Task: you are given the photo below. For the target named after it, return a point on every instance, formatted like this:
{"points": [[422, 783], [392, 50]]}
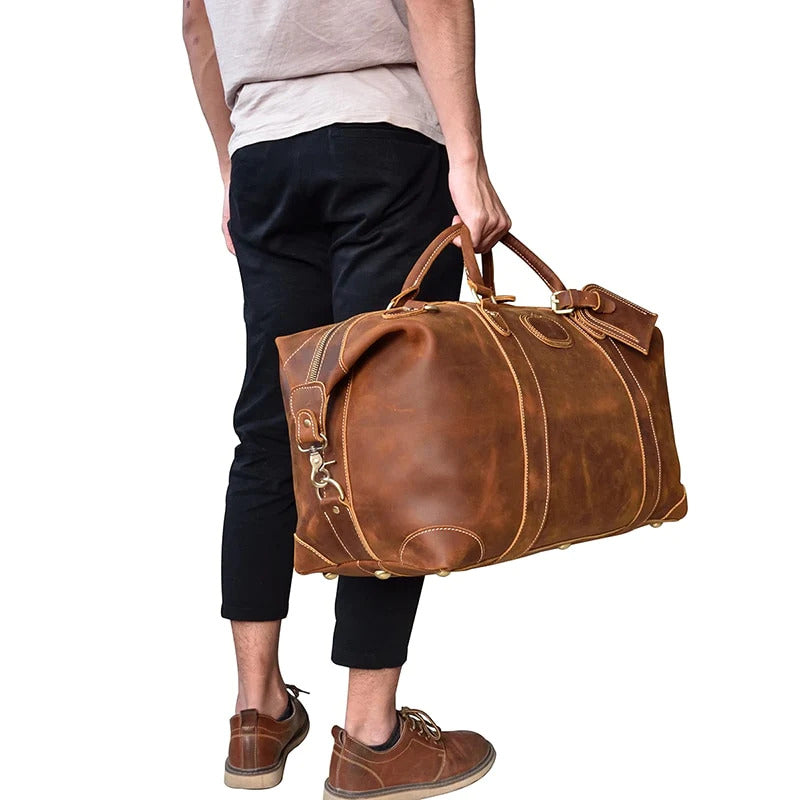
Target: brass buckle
{"points": [[554, 306]]}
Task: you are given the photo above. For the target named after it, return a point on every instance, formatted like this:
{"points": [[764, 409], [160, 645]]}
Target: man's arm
{"points": [[443, 37], [208, 85]]}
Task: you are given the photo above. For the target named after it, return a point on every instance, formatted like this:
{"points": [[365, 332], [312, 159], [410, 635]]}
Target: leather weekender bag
{"points": [[440, 436]]}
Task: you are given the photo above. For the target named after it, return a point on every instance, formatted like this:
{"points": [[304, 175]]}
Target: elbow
{"points": [[192, 18]]}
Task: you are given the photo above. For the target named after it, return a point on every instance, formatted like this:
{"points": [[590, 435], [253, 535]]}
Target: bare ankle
{"points": [[373, 730], [269, 697]]}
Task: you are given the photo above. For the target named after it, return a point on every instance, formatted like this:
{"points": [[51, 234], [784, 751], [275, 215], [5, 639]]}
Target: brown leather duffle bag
{"points": [[441, 436]]}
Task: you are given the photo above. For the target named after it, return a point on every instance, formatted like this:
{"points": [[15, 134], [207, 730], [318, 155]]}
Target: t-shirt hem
{"points": [[267, 133]]}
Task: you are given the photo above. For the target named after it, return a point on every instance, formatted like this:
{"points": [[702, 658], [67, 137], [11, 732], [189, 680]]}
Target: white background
{"points": [[649, 146]]}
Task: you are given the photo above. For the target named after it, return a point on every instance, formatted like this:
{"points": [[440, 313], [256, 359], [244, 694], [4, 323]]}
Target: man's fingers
{"points": [[227, 234]]}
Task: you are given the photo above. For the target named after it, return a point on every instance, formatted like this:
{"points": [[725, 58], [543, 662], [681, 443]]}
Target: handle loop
{"points": [[431, 253], [481, 282]]}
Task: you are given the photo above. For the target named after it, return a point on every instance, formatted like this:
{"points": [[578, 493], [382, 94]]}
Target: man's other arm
{"points": [[443, 37], [208, 85]]}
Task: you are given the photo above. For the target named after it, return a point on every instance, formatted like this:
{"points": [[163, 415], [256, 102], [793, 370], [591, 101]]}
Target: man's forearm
{"points": [[443, 37], [207, 80]]}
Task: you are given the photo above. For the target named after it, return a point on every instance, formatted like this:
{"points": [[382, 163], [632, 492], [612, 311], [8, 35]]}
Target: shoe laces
{"points": [[421, 723], [295, 691]]}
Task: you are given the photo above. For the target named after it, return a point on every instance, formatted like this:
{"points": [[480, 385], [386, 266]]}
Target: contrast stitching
{"points": [[441, 528], [522, 426], [546, 445], [441, 766], [433, 255], [635, 420], [351, 512], [321, 390], [325, 513], [389, 756], [344, 339], [609, 327], [258, 735], [315, 552], [529, 263], [652, 424], [305, 342], [343, 757], [683, 497], [621, 299], [549, 340]]}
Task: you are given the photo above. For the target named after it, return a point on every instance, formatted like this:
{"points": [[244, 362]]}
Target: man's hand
{"points": [[477, 204], [226, 216]]}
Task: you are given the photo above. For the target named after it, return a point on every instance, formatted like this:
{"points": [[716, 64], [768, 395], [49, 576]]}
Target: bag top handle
{"points": [[482, 283]]}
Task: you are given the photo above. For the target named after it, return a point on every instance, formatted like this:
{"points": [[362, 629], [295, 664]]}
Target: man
{"points": [[348, 135]]}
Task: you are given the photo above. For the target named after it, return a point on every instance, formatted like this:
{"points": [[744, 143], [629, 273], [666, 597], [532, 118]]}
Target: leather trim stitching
{"points": [[431, 257], [526, 320], [350, 511], [455, 528], [338, 538], [596, 286], [530, 264], [298, 349], [315, 552], [522, 427], [343, 757], [664, 517], [344, 339], [321, 389], [635, 420], [652, 424], [546, 446]]}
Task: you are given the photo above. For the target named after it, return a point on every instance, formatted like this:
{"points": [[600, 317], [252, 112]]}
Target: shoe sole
{"points": [[263, 779], [417, 791]]}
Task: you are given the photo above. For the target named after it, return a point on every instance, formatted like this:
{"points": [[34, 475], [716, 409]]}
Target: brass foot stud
{"points": [[382, 574], [331, 576], [442, 573], [564, 546], [656, 524]]}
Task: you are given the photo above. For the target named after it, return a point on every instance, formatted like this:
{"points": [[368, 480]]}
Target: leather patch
{"points": [[547, 329], [444, 546], [307, 404], [627, 323]]}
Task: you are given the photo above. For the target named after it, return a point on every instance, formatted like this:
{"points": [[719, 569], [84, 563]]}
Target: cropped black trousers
{"points": [[326, 224]]}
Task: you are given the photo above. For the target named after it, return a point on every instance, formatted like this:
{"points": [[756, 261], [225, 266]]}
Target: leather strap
{"points": [[431, 253], [481, 282], [549, 277], [580, 298]]}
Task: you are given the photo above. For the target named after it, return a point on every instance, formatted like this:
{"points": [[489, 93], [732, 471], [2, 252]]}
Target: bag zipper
{"points": [[316, 360]]}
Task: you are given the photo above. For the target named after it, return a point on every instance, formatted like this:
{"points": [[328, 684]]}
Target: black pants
{"points": [[326, 224]]}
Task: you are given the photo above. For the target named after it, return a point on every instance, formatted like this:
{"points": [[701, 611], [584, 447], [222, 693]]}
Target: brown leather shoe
{"points": [[424, 762], [260, 744]]}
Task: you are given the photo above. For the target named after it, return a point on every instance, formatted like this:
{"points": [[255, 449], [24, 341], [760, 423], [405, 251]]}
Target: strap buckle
{"points": [[554, 304]]}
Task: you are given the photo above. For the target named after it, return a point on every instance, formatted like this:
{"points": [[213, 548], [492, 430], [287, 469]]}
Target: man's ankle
{"points": [[374, 730], [271, 699]]}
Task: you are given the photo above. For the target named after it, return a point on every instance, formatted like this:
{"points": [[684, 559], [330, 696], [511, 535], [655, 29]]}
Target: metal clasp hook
{"points": [[320, 477]]}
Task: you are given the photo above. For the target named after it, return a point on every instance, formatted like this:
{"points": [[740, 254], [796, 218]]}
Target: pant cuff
{"points": [[352, 659], [264, 614]]}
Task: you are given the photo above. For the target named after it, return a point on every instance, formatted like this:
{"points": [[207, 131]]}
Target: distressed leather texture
{"points": [[453, 435]]}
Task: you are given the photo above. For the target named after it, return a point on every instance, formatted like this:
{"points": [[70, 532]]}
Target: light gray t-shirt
{"points": [[290, 66]]}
